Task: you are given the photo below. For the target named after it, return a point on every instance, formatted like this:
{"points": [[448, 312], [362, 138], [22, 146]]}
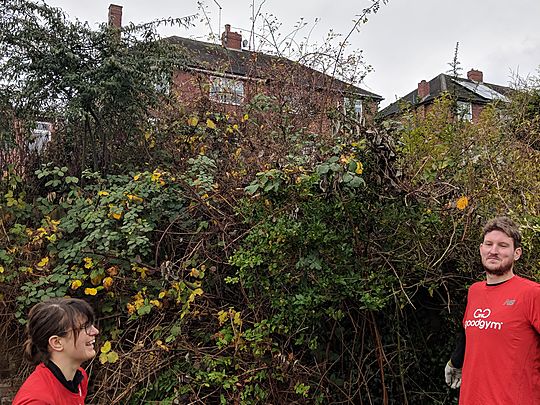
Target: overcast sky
{"points": [[405, 42]]}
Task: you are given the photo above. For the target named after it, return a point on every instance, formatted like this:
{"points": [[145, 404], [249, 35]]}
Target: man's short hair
{"points": [[506, 225]]}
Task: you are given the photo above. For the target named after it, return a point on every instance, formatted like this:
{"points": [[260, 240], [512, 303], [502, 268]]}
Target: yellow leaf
{"points": [[88, 263], [103, 193], [162, 294], [90, 291], [210, 124], [112, 357], [116, 215], [193, 121], [160, 344], [133, 197], [43, 262], [237, 319], [245, 117], [359, 168], [198, 291], [156, 303], [194, 272], [106, 348], [103, 358], [137, 177], [1, 269], [462, 203], [143, 270], [222, 317], [107, 282], [76, 284]]}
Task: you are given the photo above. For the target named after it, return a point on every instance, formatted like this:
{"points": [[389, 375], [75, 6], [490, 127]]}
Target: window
{"points": [[163, 84], [464, 110], [353, 106], [227, 91], [41, 134]]}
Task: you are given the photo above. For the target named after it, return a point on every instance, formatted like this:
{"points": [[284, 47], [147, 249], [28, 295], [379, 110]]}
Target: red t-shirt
{"points": [[502, 354], [43, 388]]}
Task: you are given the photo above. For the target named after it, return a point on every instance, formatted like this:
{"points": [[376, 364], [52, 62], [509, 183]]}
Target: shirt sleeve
{"points": [[533, 307], [458, 355]]}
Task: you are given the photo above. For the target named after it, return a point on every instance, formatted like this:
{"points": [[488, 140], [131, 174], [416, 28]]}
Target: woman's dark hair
{"points": [[56, 316]]}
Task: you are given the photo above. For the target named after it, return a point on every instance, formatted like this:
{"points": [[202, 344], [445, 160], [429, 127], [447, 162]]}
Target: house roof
{"points": [[463, 89], [256, 65]]}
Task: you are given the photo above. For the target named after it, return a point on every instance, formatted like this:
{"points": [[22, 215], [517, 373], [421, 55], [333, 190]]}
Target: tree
{"points": [[100, 87]]}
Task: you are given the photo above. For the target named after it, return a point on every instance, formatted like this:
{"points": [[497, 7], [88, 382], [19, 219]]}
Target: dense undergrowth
{"points": [[229, 277]]}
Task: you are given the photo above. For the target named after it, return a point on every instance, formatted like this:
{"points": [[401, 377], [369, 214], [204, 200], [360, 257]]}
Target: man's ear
{"points": [[56, 344], [517, 253]]}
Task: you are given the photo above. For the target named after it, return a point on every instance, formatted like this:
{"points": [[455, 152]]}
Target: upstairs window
{"points": [[354, 107], [464, 110], [226, 91]]}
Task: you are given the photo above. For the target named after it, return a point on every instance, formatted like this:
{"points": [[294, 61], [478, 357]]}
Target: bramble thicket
{"points": [[236, 256]]}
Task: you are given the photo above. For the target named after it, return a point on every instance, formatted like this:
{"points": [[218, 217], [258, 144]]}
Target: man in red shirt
{"points": [[500, 352]]}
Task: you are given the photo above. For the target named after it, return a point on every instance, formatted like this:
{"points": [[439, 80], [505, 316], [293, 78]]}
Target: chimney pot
{"points": [[475, 75], [230, 39]]}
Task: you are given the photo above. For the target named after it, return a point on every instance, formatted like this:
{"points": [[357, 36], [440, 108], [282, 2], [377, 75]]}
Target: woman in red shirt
{"points": [[61, 336]]}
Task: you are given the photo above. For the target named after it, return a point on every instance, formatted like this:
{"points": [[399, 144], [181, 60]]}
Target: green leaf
{"points": [[251, 189], [323, 169]]}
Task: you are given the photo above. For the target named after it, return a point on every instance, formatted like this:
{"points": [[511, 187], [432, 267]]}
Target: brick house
{"points": [[472, 94], [227, 76]]}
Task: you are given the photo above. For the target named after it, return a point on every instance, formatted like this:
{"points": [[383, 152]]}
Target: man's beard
{"points": [[500, 271]]}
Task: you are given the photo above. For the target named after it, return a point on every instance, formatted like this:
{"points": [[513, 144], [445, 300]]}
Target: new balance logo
{"points": [[509, 301]]}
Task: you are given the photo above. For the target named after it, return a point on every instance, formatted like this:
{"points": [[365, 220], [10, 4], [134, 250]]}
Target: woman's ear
{"points": [[55, 343]]}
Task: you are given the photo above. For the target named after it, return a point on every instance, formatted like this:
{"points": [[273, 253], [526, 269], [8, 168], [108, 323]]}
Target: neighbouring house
{"points": [[472, 94], [227, 76], [27, 140]]}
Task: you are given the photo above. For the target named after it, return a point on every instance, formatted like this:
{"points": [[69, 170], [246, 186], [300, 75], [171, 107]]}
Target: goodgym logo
{"points": [[481, 320]]}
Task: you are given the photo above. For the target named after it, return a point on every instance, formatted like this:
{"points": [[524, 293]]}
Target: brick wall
{"points": [[476, 110]]}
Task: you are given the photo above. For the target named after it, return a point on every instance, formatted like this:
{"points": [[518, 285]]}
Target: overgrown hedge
{"points": [[337, 276]]}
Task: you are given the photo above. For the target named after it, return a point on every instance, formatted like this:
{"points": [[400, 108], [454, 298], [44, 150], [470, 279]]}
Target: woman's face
{"points": [[81, 348]]}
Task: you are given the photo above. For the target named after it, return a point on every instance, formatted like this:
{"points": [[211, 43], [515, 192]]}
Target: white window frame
{"points": [[226, 91], [464, 110], [41, 135], [163, 85], [358, 107]]}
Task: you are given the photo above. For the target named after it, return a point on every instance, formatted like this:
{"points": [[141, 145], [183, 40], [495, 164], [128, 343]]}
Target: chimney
{"points": [[231, 40], [115, 16], [423, 89], [475, 75]]}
